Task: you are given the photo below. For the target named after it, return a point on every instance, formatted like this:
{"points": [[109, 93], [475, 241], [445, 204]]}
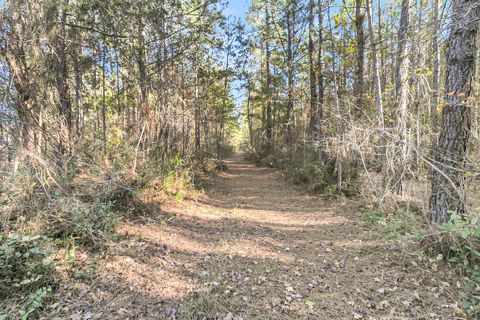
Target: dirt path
{"points": [[255, 247]]}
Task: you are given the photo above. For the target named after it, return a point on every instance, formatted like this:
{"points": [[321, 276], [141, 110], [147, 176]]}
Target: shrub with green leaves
{"points": [[177, 179], [395, 223], [458, 241], [25, 264], [86, 222]]}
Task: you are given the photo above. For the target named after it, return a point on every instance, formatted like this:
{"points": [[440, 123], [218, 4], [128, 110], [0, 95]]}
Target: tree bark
{"points": [[377, 81], [268, 84], [291, 6], [321, 89], [396, 180], [338, 114], [312, 78], [61, 77], [359, 79], [15, 56], [436, 63], [448, 179]]}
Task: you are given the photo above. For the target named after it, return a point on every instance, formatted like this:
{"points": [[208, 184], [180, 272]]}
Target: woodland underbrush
{"points": [[454, 244], [53, 222], [402, 218], [302, 168]]}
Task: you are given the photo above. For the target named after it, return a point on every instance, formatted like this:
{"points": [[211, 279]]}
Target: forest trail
{"points": [[256, 247]]}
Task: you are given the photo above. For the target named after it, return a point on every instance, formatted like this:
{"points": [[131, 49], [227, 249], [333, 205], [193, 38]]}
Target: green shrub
{"points": [[85, 222], [396, 223], [34, 302], [177, 179], [458, 242], [25, 264]]}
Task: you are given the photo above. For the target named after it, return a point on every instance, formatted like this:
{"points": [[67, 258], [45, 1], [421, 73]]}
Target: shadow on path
{"points": [[254, 247]]}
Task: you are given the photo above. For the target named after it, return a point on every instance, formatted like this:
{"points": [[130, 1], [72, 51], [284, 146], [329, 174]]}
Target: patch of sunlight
{"points": [[171, 237], [238, 213], [356, 243], [203, 212], [252, 250], [291, 220]]}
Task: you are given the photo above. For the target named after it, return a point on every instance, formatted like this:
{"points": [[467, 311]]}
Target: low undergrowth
{"points": [[53, 224], [317, 177], [27, 272], [455, 244]]}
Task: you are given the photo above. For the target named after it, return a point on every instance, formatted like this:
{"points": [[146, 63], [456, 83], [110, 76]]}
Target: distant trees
{"points": [[330, 87], [366, 93], [135, 79]]}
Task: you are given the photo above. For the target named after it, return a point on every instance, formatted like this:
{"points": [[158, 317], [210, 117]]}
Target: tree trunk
{"points": [[359, 79], [377, 81], [383, 75], [448, 189], [338, 115], [312, 79], [268, 84], [398, 164], [436, 63], [61, 77], [290, 69], [321, 89], [15, 57], [197, 113]]}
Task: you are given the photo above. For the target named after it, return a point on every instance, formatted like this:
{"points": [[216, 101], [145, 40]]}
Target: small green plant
{"points": [[309, 173], [396, 223], [373, 216], [177, 180], [87, 223], [25, 263], [459, 242], [25, 269], [34, 302]]}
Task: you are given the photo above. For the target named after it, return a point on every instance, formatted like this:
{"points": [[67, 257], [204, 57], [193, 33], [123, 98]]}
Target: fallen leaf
{"points": [[310, 303], [357, 315]]}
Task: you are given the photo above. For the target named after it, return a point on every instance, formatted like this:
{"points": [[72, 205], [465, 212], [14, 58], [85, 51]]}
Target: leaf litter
{"points": [[255, 247]]}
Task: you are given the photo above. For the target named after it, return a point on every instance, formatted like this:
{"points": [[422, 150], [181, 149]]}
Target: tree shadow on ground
{"points": [[288, 257]]}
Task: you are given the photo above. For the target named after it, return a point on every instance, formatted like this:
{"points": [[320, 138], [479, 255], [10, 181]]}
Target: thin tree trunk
{"points": [[78, 88], [104, 101], [338, 115], [249, 115], [383, 75], [61, 75], [436, 63], [399, 163], [197, 114], [291, 6], [377, 82], [321, 89], [312, 79], [268, 84]]}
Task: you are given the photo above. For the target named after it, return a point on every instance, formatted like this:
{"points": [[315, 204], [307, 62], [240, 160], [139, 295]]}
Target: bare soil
{"points": [[256, 247]]}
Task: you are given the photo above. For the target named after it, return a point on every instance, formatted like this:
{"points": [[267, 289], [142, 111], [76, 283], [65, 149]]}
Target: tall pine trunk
{"points": [[448, 180], [359, 79], [268, 91]]}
